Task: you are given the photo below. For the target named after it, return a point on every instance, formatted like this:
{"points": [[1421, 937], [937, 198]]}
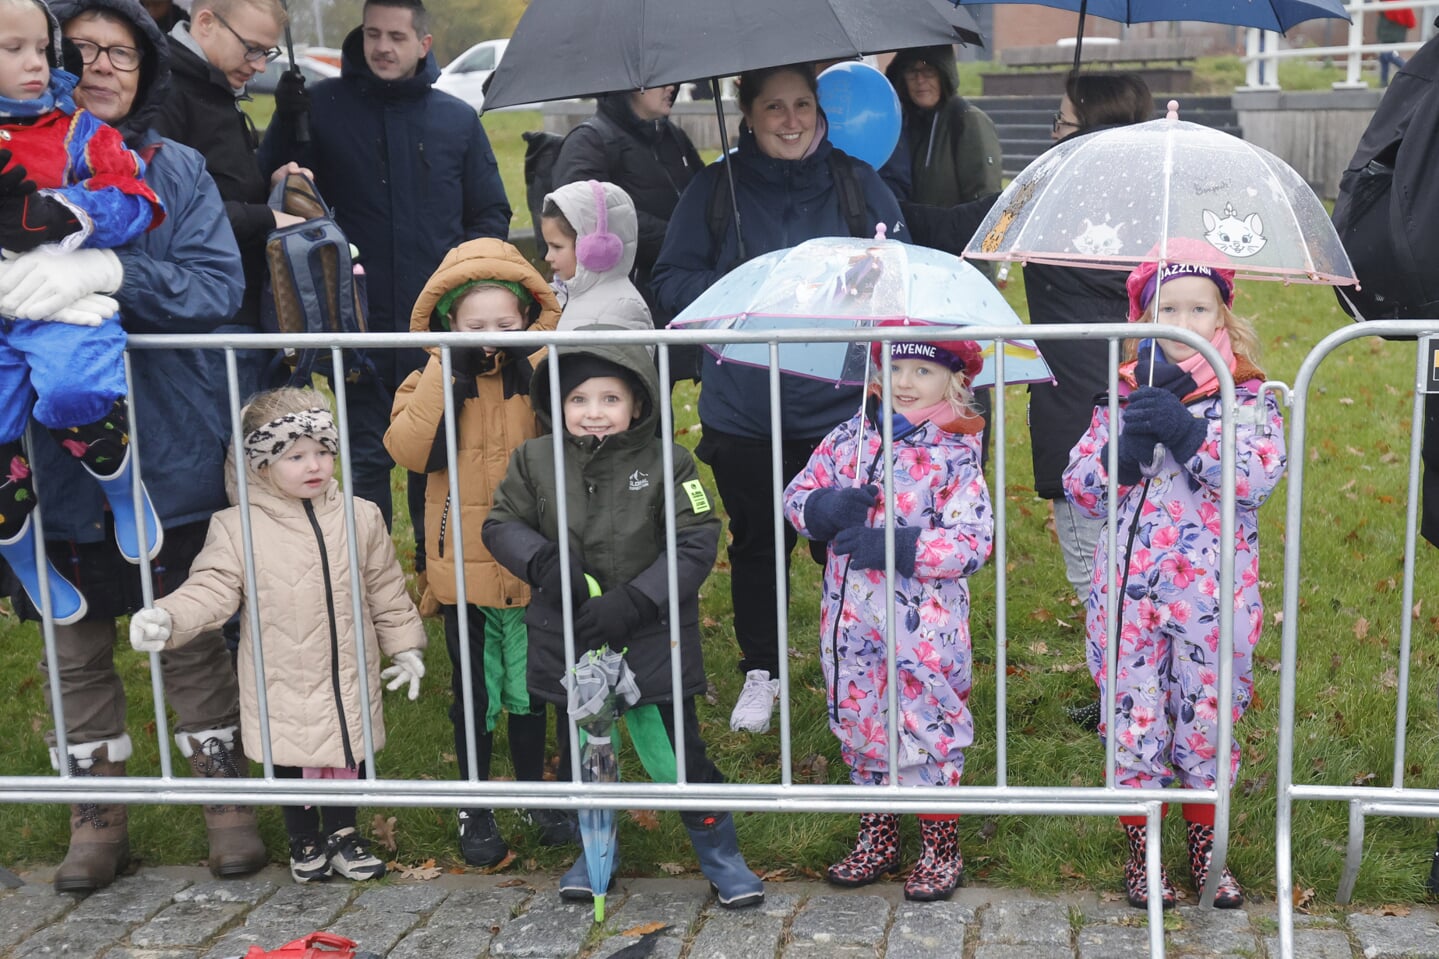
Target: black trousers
{"points": [[526, 733], [742, 473], [315, 822]]}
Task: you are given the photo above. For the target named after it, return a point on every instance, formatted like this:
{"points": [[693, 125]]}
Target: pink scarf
{"points": [[1205, 379]]}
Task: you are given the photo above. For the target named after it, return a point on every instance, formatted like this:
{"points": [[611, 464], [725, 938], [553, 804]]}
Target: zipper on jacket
{"points": [[334, 634], [444, 520]]}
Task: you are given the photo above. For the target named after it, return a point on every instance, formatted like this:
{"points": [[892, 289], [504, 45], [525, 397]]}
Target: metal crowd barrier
{"points": [[1396, 799], [787, 796]]}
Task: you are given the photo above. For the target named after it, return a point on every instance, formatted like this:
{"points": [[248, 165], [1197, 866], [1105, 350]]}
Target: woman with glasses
{"points": [[183, 276], [1059, 414]]}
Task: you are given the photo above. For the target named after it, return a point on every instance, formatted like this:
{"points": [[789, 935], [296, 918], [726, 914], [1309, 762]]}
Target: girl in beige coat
{"points": [[307, 622]]}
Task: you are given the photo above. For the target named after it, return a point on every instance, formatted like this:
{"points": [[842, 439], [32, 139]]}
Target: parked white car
{"points": [[466, 74], [313, 68]]}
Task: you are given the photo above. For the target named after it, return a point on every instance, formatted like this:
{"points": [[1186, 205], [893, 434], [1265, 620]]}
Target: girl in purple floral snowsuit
{"points": [[1166, 714], [944, 532]]}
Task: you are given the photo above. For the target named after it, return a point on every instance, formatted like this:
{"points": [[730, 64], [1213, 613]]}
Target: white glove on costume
{"points": [[409, 667], [149, 629], [90, 310], [40, 283]]}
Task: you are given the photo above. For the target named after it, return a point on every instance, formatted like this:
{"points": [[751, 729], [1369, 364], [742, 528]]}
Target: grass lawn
{"points": [[1350, 611]]}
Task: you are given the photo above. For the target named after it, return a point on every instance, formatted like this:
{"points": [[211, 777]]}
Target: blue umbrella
{"points": [[1277, 15], [601, 686], [843, 283]]}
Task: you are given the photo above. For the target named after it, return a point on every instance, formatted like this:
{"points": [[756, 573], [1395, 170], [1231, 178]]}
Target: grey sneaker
{"points": [[308, 862], [350, 856], [755, 706]]}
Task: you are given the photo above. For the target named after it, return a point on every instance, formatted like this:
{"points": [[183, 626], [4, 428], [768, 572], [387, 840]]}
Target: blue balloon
{"points": [[862, 109]]}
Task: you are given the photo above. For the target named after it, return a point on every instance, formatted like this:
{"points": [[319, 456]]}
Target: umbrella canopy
{"points": [[624, 45], [843, 283], [1115, 198], [601, 686]]}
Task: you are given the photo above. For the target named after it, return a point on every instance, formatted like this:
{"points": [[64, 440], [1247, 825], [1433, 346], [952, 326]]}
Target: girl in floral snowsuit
{"points": [[944, 532], [1166, 714]]}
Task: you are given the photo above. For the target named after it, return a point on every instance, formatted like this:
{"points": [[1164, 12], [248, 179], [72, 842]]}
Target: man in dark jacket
{"points": [[411, 175], [631, 143], [182, 277], [212, 58]]}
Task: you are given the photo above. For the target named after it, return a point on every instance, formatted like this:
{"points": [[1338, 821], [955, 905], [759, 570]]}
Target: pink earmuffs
{"points": [[601, 250]]}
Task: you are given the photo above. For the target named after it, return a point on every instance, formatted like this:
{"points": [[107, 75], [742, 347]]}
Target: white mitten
{"points": [[149, 629], [38, 284], [409, 667]]}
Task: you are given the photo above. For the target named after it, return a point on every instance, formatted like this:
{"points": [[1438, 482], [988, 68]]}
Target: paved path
{"points": [[182, 913]]}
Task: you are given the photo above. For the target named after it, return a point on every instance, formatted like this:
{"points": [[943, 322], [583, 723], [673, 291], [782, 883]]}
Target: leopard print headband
{"points": [[268, 443]]}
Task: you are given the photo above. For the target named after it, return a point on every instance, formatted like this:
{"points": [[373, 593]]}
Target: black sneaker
{"points": [[1087, 716], [557, 826], [480, 841], [350, 856], [308, 862]]}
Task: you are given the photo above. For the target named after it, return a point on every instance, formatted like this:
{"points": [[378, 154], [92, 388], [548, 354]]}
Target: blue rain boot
{"points": [[67, 604], [715, 843], [118, 492], [575, 883]]}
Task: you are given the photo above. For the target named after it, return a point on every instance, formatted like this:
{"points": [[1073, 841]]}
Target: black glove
{"points": [[1161, 414], [291, 98], [865, 547], [1164, 375], [27, 218], [827, 511], [613, 618], [543, 573]]}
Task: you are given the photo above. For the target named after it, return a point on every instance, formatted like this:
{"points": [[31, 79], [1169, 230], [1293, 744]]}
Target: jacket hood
{"points": [[354, 67], [580, 204], [483, 259], [616, 107], [154, 81], [939, 57], [632, 357]]}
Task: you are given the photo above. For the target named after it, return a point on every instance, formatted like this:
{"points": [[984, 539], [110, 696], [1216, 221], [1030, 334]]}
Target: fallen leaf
{"points": [[644, 928], [1303, 897], [1393, 909], [645, 818], [511, 883], [814, 768], [383, 829], [1254, 786], [779, 875], [1345, 401], [1417, 606], [671, 868], [1066, 871], [1279, 618], [987, 831], [1361, 780], [501, 865], [1389, 679], [1361, 628], [421, 873], [1039, 649], [1041, 615], [709, 622]]}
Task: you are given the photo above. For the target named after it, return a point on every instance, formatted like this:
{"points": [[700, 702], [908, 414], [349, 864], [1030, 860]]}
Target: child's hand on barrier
{"points": [[1164, 416], [828, 510], [150, 629], [865, 547], [408, 667], [610, 619]]}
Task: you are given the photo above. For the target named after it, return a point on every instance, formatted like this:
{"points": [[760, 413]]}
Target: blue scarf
{"points": [[56, 97]]}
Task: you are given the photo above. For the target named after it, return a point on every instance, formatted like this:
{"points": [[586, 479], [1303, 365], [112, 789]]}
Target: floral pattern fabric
{"points": [[939, 487], [1166, 712]]}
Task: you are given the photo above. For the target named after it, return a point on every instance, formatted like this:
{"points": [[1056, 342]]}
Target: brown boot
{"points": [[235, 845], [99, 834]]}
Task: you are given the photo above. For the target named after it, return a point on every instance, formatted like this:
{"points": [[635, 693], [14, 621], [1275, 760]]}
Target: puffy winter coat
{"points": [[938, 487], [202, 112], [410, 174], [306, 611], [615, 494], [781, 203], [183, 276], [491, 425], [601, 296]]}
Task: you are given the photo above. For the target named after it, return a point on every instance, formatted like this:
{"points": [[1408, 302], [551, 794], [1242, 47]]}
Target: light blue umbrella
{"points": [[601, 686], [847, 282]]}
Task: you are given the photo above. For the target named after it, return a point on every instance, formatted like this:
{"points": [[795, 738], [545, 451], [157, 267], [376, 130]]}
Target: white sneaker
{"points": [[756, 703]]}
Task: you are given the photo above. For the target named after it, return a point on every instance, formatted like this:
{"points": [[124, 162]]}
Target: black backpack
{"points": [[542, 152], [1387, 212], [719, 215]]}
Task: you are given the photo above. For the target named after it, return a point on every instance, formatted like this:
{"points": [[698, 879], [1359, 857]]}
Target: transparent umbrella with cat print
{"points": [[1115, 198]]}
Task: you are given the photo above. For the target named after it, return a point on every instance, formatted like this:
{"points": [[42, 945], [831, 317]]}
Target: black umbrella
{"points": [[617, 46], [302, 120]]}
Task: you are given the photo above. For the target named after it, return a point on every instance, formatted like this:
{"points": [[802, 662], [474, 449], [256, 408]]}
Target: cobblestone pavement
{"points": [[182, 913]]}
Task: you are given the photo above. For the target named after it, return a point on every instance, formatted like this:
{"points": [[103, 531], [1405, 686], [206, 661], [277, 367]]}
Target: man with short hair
{"points": [[212, 57], [410, 173]]}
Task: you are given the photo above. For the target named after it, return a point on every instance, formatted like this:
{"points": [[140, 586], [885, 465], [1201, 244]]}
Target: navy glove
{"points": [[1136, 449], [1161, 414], [613, 618], [865, 547], [827, 511], [1166, 375], [28, 218], [291, 99], [543, 573]]}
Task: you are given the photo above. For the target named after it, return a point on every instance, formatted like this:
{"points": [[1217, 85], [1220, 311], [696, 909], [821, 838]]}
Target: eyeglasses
{"points": [[125, 59], [920, 70], [1059, 121], [254, 53]]}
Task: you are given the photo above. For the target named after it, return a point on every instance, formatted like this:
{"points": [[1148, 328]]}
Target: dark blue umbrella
{"points": [[1277, 15]]}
